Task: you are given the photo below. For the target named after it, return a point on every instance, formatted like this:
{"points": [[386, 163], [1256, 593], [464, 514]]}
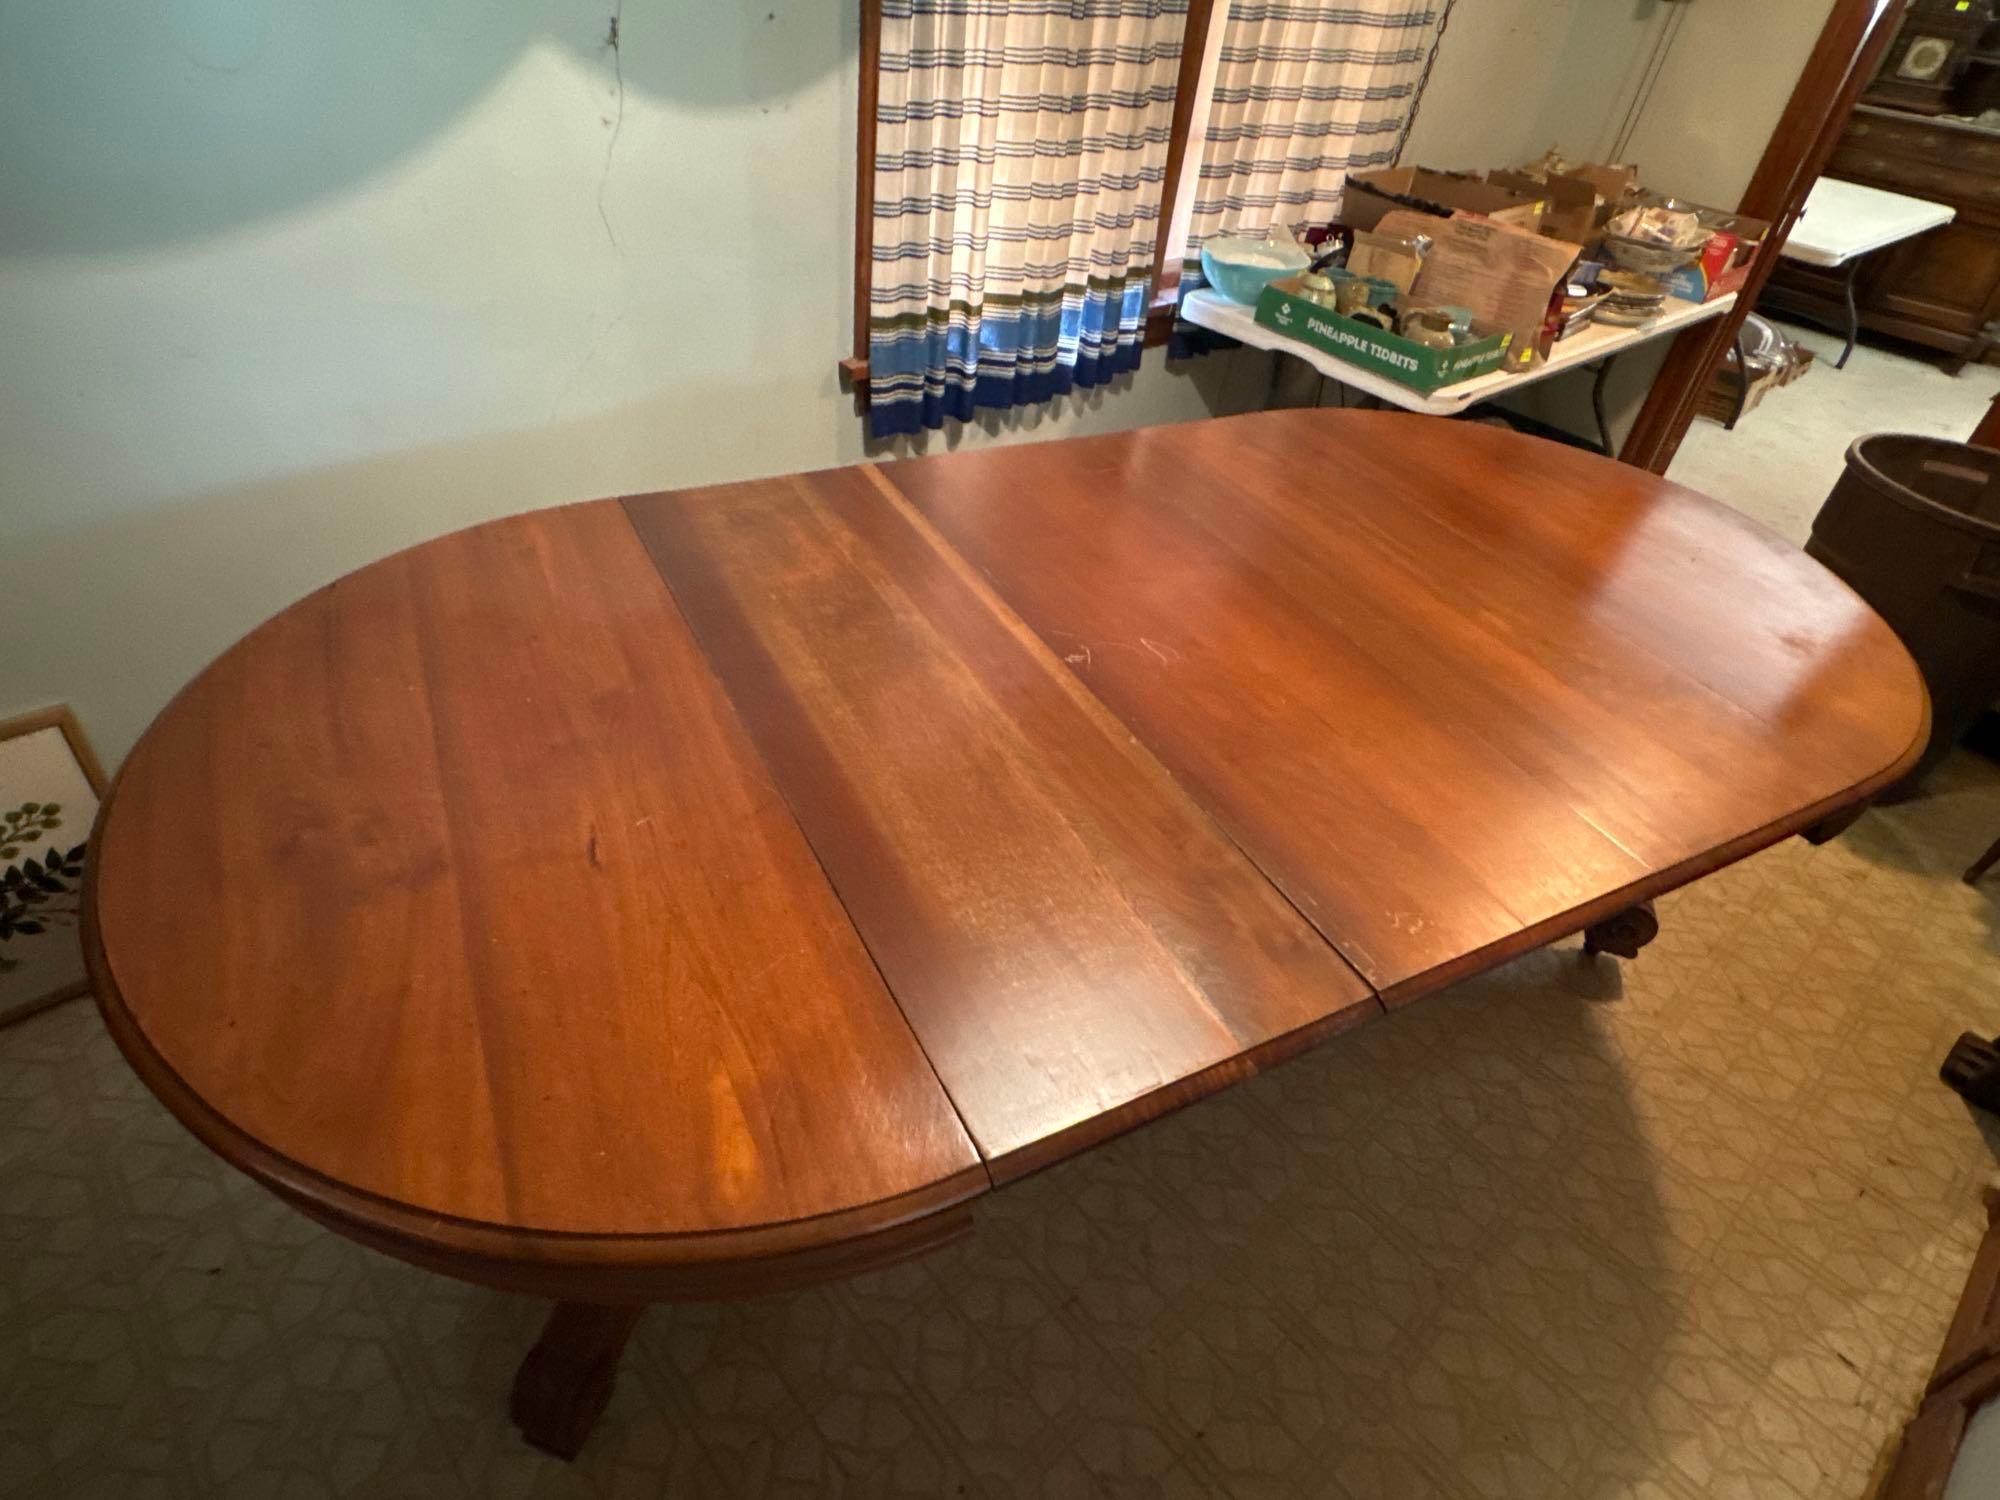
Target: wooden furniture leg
{"points": [[1982, 864], [1972, 1071], [1973, 353], [565, 1382], [1623, 933], [1853, 313], [1987, 433]]}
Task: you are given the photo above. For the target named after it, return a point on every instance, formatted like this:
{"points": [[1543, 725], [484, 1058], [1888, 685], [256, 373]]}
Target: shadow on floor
{"points": [[1371, 1272]]}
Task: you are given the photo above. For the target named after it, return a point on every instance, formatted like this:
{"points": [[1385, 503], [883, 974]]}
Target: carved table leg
{"points": [[565, 1382], [1972, 1070], [1623, 933], [1981, 865]]}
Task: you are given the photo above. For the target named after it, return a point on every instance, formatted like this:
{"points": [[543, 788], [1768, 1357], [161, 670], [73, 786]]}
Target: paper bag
{"points": [[1505, 276], [1390, 256]]}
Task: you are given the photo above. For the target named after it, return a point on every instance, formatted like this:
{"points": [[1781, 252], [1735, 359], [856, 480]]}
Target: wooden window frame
{"points": [[853, 371]]}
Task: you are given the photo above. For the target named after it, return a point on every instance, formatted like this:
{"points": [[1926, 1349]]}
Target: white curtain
{"points": [[1020, 152], [1304, 94]]}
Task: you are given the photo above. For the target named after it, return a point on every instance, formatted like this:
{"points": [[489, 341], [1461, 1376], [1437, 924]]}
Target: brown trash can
{"points": [[1913, 527]]}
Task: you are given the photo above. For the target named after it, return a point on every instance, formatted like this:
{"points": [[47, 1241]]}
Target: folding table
{"points": [[1595, 344], [1844, 223]]}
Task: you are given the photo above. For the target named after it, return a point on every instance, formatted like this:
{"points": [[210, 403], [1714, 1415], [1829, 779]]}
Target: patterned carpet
{"points": [[1690, 1226]]}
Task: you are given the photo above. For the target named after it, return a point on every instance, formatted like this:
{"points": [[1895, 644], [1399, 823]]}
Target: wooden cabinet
{"points": [[1943, 280], [1941, 288]]}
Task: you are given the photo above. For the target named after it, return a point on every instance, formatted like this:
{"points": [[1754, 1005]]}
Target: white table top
{"points": [[1844, 219], [1594, 341]]}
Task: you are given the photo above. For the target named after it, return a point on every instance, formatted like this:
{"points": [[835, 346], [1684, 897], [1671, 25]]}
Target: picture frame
{"points": [[51, 785]]}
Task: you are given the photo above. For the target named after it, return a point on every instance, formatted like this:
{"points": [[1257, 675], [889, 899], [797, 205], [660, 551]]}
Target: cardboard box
{"points": [[1609, 188], [1570, 206], [1402, 360], [1718, 401], [1616, 185], [1723, 267], [1370, 195]]}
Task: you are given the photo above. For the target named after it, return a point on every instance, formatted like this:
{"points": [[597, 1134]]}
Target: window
{"points": [[1025, 165]]}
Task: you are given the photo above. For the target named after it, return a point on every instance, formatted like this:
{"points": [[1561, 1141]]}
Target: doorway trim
{"points": [[1844, 59]]}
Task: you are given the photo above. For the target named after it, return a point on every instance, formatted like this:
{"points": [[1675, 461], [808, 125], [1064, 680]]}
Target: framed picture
{"points": [[50, 784]]}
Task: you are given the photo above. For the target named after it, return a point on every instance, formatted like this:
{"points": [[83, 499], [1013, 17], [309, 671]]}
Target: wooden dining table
{"points": [[706, 893]]}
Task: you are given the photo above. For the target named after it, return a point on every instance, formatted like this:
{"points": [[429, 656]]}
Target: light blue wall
{"points": [[287, 286]]}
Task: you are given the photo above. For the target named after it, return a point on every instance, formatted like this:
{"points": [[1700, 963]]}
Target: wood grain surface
{"points": [[1456, 691], [1070, 936], [458, 884], [718, 890]]}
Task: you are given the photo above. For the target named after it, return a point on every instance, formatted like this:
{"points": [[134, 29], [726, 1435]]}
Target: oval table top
{"points": [[705, 878]]}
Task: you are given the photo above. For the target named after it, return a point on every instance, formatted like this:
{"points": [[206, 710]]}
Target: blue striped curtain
{"points": [[1020, 155], [1304, 94]]}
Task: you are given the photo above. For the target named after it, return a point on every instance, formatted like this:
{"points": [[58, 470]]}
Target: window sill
{"points": [[853, 376]]}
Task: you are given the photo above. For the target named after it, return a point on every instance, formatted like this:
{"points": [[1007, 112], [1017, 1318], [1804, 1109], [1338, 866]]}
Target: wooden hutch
{"points": [[1929, 126]]}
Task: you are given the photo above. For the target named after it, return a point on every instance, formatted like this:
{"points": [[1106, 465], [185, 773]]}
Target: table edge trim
{"points": [[1660, 882], [509, 1255]]}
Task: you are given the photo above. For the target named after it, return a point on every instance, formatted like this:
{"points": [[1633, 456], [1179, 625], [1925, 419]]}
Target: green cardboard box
{"points": [[1402, 360]]}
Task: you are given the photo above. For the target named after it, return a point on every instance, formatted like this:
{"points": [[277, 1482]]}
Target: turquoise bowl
{"points": [[1241, 268]]}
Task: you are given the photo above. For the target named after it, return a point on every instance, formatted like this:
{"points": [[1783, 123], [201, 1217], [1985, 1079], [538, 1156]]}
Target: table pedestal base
{"points": [[1828, 829], [1623, 933], [565, 1382]]}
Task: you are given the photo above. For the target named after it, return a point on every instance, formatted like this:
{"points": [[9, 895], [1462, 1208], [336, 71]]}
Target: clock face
{"points": [[1925, 58]]}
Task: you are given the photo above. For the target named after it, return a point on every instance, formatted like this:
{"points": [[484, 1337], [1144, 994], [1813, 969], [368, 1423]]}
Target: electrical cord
{"points": [[1649, 79]]}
